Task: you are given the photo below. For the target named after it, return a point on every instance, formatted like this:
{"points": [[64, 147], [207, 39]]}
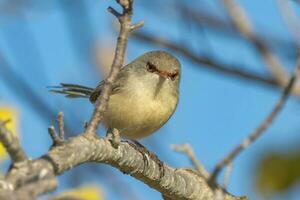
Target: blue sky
{"points": [[214, 114]]}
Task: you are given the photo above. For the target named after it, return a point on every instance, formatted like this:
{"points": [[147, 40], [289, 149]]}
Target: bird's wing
{"points": [[117, 86]]}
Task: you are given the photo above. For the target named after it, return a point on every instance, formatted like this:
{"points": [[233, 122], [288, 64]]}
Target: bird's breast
{"points": [[140, 110]]}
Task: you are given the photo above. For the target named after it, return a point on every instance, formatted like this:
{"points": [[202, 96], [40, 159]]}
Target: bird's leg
{"points": [[113, 136], [146, 154], [109, 134]]}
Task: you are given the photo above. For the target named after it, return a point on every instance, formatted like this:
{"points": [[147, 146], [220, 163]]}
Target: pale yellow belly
{"points": [[137, 116]]}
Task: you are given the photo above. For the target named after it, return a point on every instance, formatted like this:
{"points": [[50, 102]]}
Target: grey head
{"points": [[157, 64]]}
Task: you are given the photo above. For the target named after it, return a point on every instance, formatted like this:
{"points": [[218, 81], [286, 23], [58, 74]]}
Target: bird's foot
{"points": [[146, 155], [114, 137]]}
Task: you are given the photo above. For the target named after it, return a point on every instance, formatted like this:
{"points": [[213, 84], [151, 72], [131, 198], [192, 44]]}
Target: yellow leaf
{"points": [[87, 192], [277, 172], [8, 113]]}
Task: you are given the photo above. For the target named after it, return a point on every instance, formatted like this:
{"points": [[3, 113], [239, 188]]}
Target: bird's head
{"points": [[159, 64]]}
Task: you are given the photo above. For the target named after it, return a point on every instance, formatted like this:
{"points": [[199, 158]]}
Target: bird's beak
{"points": [[164, 74], [160, 82], [162, 79]]}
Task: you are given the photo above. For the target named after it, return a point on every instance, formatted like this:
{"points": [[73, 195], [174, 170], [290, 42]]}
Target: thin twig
{"points": [[187, 149], [125, 29], [11, 143], [54, 136], [58, 138], [114, 12], [113, 135], [61, 126], [262, 127], [219, 194], [227, 175], [136, 26]]}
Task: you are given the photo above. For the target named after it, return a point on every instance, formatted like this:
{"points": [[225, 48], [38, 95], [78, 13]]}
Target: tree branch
{"points": [[176, 183], [262, 127]]}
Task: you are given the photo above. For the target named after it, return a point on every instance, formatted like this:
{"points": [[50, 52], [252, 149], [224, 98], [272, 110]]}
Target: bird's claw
{"points": [[148, 155]]}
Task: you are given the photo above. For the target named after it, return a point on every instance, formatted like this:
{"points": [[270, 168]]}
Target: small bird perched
{"points": [[144, 95]]}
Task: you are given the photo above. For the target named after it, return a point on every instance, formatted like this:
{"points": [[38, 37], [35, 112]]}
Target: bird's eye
{"points": [[174, 75], [151, 67]]}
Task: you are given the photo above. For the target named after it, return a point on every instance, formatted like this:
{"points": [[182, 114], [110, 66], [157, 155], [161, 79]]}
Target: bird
{"points": [[144, 95]]}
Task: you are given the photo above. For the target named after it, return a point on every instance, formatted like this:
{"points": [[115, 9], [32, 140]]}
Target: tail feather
{"points": [[72, 90]]}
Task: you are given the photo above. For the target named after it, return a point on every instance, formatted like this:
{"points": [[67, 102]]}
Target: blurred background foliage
{"points": [[277, 172], [226, 88], [86, 192], [8, 113]]}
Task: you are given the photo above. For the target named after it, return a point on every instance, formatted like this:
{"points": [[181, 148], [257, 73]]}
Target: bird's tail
{"points": [[72, 90]]}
